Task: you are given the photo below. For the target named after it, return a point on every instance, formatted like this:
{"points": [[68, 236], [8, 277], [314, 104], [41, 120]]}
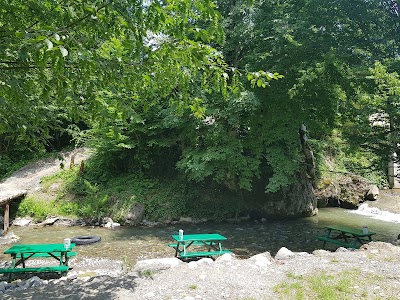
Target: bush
{"points": [[37, 209]]}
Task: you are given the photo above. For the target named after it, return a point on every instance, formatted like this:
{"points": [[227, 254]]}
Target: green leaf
{"points": [[49, 44], [64, 52]]}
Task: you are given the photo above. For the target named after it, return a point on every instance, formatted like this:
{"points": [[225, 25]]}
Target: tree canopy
{"points": [[62, 62], [158, 85]]}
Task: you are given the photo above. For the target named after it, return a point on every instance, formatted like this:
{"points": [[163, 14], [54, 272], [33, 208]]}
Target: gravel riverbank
{"points": [[368, 273]]}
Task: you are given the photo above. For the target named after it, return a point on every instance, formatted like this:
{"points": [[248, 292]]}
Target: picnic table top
{"points": [[353, 231], [200, 237], [38, 248]]}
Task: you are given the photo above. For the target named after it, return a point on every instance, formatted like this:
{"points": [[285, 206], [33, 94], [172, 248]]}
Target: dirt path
{"points": [[28, 178]]}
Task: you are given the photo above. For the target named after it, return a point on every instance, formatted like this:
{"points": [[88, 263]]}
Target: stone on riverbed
{"points": [[284, 253], [262, 259], [8, 239], [109, 223], [225, 257], [21, 222], [49, 221], [157, 264], [372, 193]]}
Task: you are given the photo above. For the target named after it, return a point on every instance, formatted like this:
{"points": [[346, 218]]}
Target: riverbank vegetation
{"points": [[199, 108]]}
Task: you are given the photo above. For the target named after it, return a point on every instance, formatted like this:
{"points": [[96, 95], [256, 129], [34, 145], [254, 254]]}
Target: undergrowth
{"points": [[81, 196]]}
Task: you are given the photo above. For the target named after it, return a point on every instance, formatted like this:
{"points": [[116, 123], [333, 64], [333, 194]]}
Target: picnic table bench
{"points": [[200, 242], [21, 253], [346, 236]]}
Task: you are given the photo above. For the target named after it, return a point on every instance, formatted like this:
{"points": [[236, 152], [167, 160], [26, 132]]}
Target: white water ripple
{"points": [[376, 213]]}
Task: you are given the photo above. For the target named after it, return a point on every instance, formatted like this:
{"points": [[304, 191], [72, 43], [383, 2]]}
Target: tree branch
{"points": [[80, 20]]}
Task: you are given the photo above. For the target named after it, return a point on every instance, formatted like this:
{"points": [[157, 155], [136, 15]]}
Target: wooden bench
{"points": [[337, 242], [203, 253], [69, 254], [58, 269], [195, 243]]}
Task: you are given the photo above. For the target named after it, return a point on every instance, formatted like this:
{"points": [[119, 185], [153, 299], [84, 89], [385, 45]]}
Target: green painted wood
{"points": [[37, 248], [353, 231], [58, 254], [57, 269], [200, 237], [203, 253], [337, 242], [195, 243]]}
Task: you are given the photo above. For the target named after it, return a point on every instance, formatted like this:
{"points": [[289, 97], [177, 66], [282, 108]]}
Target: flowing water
{"points": [[244, 239]]}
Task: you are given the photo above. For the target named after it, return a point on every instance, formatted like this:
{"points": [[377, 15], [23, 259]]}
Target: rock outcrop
{"points": [[296, 200], [346, 191]]}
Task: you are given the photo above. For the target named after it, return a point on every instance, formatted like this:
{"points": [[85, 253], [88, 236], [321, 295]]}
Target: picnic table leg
{"points": [[14, 258], [23, 260], [6, 209]]}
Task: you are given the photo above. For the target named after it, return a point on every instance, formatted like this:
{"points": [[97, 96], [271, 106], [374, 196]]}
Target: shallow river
{"points": [[244, 239]]}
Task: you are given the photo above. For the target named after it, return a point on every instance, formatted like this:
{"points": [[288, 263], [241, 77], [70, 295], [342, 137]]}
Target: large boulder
{"points": [[296, 200], [156, 264], [346, 191], [284, 253], [22, 222], [135, 214], [372, 193]]}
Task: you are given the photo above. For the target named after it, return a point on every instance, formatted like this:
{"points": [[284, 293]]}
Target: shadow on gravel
{"points": [[99, 288]]}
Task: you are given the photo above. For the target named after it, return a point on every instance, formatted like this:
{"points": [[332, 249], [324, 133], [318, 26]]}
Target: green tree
{"points": [[324, 50], [96, 62]]}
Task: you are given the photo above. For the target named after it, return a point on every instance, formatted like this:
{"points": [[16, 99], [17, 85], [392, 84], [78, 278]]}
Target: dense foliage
{"points": [[176, 88], [73, 64]]}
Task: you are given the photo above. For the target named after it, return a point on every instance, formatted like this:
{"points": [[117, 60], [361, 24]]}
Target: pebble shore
{"points": [[258, 277]]}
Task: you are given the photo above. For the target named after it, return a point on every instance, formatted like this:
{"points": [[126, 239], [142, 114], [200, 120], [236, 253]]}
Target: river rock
{"points": [[203, 261], [346, 191], [321, 252], [225, 257], [9, 239], [50, 221], [185, 220], [3, 286], [295, 200], [262, 260], [33, 282], [112, 225], [284, 253], [135, 214], [372, 193], [156, 264], [21, 222]]}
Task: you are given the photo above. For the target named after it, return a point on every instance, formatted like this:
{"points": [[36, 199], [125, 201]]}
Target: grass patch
{"points": [[88, 274], [147, 273], [343, 285]]}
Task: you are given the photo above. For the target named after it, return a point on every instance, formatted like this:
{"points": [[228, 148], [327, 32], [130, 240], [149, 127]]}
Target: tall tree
{"points": [[324, 50], [66, 61]]}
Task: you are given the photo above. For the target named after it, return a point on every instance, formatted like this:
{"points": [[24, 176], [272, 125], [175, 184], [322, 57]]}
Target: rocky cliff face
{"points": [[297, 200], [346, 191]]}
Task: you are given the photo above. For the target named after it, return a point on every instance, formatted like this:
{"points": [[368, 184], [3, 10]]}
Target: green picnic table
{"points": [[347, 237], [198, 245], [21, 253]]}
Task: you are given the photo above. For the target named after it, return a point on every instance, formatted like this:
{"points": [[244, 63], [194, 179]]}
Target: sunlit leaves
{"points": [[262, 78], [104, 61], [64, 52]]}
